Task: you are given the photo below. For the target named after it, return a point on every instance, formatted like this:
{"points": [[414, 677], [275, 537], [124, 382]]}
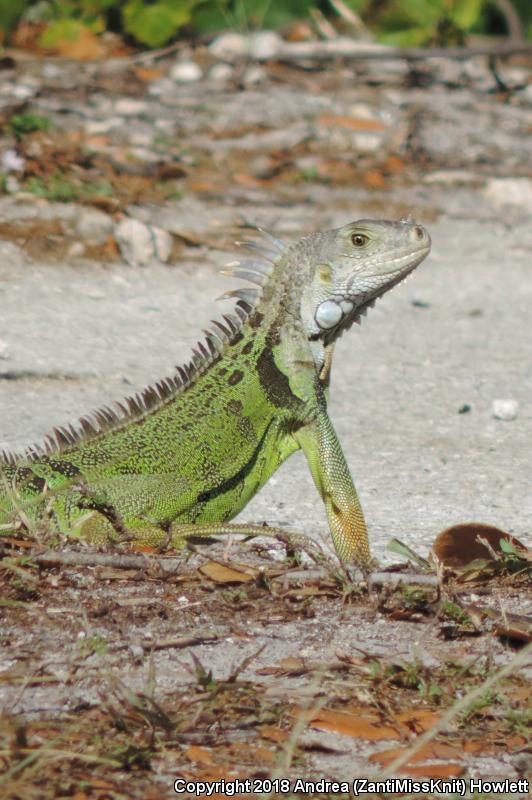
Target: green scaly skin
{"points": [[195, 449]]}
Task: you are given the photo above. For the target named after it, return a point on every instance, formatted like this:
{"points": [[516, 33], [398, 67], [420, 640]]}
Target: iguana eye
{"points": [[359, 239]]}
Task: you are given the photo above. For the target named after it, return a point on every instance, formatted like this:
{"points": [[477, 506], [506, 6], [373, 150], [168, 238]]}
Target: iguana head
{"points": [[351, 267]]}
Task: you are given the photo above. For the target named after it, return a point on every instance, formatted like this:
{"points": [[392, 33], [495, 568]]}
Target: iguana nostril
{"points": [[418, 232]]}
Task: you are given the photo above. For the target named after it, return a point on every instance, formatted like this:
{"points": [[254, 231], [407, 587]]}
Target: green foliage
{"points": [[10, 13], [62, 189], [154, 24], [524, 9], [88, 13], [477, 707], [22, 124], [451, 611], [520, 721], [56, 188], [420, 22], [62, 30], [93, 645], [209, 16]]}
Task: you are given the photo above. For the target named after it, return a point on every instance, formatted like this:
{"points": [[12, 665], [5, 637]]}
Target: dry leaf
{"points": [[511, 626], [23, 543], [139, 547], [264, 754], [287, 666], [147, 74], [458, 545], [101, 783], [98, 141], [477, 746], [353, 123], [198, 754], [515, 742], [218, 773], [273, 734], [221, 573], [109, 574], [299, 31], [418, 719], [207, 186], [435, 770], [242, 179], [374, 179], [245, 750], [356, 726], [86, 47], [394, 164], [430, 751]]}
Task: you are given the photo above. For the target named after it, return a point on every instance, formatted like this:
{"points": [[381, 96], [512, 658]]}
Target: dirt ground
{"points": [[241, 662]]}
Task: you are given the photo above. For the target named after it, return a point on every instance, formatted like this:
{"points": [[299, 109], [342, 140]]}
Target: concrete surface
{"points": [[457, 333]]}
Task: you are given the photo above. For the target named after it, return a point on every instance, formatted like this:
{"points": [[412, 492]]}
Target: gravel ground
{"points": [[413, 388]]}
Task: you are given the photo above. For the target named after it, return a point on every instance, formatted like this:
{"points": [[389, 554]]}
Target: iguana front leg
{"points": [[331, 475]]}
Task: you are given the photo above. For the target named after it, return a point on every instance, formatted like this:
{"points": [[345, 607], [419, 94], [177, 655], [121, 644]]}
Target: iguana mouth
{"points": [[401, 275]]}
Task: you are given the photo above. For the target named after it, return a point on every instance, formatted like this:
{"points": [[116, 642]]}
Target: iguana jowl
{"points": [[196, 447]]}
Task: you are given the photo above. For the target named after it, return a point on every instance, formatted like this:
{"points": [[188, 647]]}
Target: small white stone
{"points": [[23, 92], [142, 244], [50, 70], [11, 184], [253, 76], [230, 46], [166, 126], [366, 142], [162, 87], [135, 242], [264, 45], [221, 73], [12, 161], [144, 154], [76, 250], [11, 253], [129, 107], [96, 294], [363, 111], [163, 243], [94, 226], [101, 126], [505, 409], [141, 139], [137, 651], [449, 177], [185, 72], [510, 191]]}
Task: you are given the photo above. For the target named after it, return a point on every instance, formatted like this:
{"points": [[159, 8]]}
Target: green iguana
{"points": [[187, 454]]}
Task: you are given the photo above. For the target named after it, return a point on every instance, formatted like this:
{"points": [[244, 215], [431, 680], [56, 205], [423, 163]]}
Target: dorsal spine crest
{"points": [[153, 397]]}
